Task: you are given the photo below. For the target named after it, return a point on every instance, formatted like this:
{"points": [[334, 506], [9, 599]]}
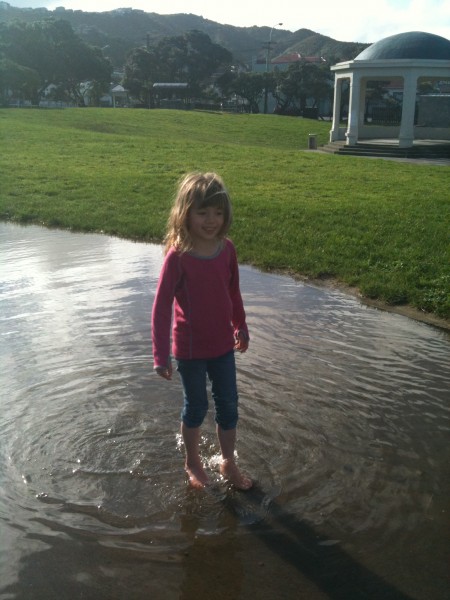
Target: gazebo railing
{"points": [[384, 115]]}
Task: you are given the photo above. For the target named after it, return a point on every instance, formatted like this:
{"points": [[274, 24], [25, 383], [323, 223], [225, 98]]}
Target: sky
{"points": [[344, 20]]}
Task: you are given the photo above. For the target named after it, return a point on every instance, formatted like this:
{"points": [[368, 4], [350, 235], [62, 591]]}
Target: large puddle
{"points": [[344, 425]]}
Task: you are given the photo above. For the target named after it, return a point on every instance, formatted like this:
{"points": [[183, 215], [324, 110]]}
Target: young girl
{"points": [[200, 277]]}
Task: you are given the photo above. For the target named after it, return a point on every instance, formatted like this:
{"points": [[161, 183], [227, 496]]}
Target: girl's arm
{"points": [[165, 372], [162, 314], [242, 341], [238, 318]]}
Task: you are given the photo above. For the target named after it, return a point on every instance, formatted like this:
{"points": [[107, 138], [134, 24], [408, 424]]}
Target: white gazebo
{"points": [[409, 57]]}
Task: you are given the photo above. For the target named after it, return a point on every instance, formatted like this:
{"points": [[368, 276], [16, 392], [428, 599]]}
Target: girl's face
{"points": [[205, 224]]}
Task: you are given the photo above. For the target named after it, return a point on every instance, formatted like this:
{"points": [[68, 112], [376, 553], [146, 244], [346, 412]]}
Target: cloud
{"points": [[361, 22]]}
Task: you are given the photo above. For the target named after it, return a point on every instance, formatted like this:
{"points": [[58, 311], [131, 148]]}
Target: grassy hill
{"points": [[124, 29], [377, 225]]}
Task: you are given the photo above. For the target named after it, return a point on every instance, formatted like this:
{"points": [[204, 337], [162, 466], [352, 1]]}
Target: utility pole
{"points": [[269, 45]]}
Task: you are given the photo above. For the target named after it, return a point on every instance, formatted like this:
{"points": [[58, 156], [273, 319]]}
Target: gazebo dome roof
{"points": [[413, 44]]}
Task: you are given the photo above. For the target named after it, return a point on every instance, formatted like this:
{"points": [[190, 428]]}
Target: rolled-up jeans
{"points": [[221, 372]]}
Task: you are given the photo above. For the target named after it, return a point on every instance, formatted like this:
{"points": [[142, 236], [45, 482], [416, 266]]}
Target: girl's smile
{"points": [[205, 224]]}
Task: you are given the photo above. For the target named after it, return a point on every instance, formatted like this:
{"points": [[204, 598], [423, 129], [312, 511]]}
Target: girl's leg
{"points": [[193, 465], [222, 373], [193, 378], [229, 469], [227, 442]]}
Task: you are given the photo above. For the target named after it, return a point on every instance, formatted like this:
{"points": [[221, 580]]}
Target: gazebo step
{"points": [[430, 150]]}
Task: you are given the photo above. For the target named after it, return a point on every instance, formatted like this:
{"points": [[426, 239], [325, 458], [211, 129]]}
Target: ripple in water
{"points": [[344, 425]]}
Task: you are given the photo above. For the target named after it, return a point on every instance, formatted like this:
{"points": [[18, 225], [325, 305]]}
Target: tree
{"points": [[304, 81], [82, 63], [191, 58], [56, 53], [141, 72], [249, 86], [203, 59], [15, 80], [284, 95]]}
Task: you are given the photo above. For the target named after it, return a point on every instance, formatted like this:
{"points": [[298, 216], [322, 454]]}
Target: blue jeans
{"points": [[221, 373]]}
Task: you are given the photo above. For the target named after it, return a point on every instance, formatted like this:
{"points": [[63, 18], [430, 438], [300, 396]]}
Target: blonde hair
{"points": [[196, 190]]}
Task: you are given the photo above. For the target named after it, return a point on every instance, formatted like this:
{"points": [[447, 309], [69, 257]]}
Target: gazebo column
{"points": [[406, 136], [362, 101], [334, 133], [354, 109]]}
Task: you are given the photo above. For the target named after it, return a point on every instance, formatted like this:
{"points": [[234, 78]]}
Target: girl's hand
{"points": [[241, 344], [165, 372]]}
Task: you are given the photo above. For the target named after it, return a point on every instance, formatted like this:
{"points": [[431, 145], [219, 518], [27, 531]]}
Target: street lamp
{"points": [[269, 44]]}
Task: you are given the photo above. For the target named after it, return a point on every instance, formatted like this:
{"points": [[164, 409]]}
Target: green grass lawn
{"points": [[381, 226]]}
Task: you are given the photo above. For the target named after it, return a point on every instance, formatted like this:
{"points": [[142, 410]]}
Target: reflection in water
{"points": [[344, 425]]}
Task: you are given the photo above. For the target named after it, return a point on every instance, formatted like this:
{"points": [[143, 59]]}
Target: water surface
{"points": [[344, 425]]}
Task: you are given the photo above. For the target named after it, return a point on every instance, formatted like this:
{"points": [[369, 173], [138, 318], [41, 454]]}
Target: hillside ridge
{"points": [[121, 30]]}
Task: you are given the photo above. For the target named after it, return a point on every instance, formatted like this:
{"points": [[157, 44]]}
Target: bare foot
{"points": [[197, 476], [230, 471]]}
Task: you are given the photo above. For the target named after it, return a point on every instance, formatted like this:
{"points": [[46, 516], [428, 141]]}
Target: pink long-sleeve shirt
{"points": [[208, 309]]}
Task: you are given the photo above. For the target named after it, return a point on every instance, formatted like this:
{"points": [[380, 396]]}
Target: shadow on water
{"points": [[86, 565], [326, 564]]}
